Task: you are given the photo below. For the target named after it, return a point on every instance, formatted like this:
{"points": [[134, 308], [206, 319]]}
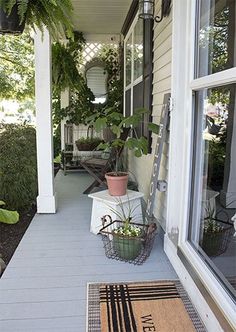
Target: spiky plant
{"points": [[54, 14]]}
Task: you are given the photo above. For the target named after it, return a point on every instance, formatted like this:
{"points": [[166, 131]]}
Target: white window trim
{"points": [[138, 79], [125, 41], [183, 84], [135, 82], [224, 77]]}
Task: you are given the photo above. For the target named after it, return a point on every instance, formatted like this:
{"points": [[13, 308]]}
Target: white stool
{"points": [[103, 203]]}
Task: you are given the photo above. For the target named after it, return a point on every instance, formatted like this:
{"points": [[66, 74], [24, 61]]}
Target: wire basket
{"points": [[215, 244], [132, 249]]}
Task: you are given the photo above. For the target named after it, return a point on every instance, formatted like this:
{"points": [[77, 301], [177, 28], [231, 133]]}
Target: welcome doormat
{"points": [[161, 306]]}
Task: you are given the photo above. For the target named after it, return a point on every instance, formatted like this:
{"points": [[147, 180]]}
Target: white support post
{"points": [[46, 201]]}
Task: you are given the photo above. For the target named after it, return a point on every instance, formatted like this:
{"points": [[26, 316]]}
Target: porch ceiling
{"points": [[100, 16]]}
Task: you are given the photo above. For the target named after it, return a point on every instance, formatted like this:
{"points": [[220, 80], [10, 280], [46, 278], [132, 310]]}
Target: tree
{"points": [[215, 38], [16, 67], [67, 59]]}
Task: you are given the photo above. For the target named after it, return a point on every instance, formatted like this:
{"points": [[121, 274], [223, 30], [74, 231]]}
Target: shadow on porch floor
{"points": [[44, 286]]}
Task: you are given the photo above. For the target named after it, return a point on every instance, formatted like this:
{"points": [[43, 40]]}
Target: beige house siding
{"points": [[142, 167]]}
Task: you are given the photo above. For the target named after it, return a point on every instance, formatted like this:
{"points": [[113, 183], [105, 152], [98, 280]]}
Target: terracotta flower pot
{"points": [[117, 183]]}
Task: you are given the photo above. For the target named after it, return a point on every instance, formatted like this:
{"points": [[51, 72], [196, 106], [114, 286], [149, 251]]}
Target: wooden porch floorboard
{"points": [[44, 286]]}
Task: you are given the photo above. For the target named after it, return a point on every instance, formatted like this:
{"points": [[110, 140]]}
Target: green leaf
{"points": [[154, 128], [144, 144], [138, 153], [131, 143], [108, 110], [116, 130], [132, 121], [116, 116], [91, 118], [9, 217], [100, 124], [2, 203], [141, 111], [140, 146], [103, 146], [118, 143]]}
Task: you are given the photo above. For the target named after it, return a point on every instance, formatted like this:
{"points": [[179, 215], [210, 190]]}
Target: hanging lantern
{"points": [[146, 9]]}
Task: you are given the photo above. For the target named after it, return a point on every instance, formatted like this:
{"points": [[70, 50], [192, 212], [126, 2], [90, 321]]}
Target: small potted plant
{"points": [[55, 15], [127, 235], [117, 180], [216, 233], [125, 239]]}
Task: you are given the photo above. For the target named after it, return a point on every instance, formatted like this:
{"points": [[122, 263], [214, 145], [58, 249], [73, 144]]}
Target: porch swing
{"points": [[98, 167], [78, 148]]}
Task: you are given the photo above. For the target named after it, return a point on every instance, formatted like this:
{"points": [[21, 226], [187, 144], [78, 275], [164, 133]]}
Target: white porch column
{"points": [[65, 95], [46, 201]]}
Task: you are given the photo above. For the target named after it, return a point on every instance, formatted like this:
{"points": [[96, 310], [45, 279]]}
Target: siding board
{"points": [[162, 54]]}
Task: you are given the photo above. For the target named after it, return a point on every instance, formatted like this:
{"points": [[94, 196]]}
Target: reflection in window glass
{"points": [[138, 49], [128, 60], [214, 186], [216, 36]]}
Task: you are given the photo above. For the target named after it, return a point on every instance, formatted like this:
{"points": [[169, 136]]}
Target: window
{"points": [[138, 50], [137, 75], [213, 190], [128, 61], [134, 67], [215, 36]]}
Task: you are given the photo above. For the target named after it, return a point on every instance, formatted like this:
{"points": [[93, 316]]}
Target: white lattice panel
{"points": [[91, 51]]}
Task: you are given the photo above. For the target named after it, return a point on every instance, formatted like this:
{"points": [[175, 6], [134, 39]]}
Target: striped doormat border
{"points": [[93, 305]]}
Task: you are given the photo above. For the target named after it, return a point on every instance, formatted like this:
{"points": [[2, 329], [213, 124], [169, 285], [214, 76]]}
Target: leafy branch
{"points": [[12, 61]]}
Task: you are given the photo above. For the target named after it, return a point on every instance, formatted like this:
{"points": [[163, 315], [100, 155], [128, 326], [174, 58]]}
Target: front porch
{"points": [[44, 286]]}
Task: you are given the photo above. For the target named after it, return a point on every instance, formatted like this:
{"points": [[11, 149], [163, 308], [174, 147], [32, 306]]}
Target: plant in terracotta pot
{"points": [[55, 15], [121, 126]]}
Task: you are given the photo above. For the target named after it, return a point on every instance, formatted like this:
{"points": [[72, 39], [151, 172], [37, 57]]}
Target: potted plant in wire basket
{"points": [[216, 232], [121, 126], [125, 239], [55, 15]]}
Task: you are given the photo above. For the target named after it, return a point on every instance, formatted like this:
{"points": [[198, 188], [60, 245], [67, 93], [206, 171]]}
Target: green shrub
{"points": [[18, 167]]}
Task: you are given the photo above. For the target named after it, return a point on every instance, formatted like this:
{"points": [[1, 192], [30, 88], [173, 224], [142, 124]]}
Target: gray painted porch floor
{"points": [[44, 286]]}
